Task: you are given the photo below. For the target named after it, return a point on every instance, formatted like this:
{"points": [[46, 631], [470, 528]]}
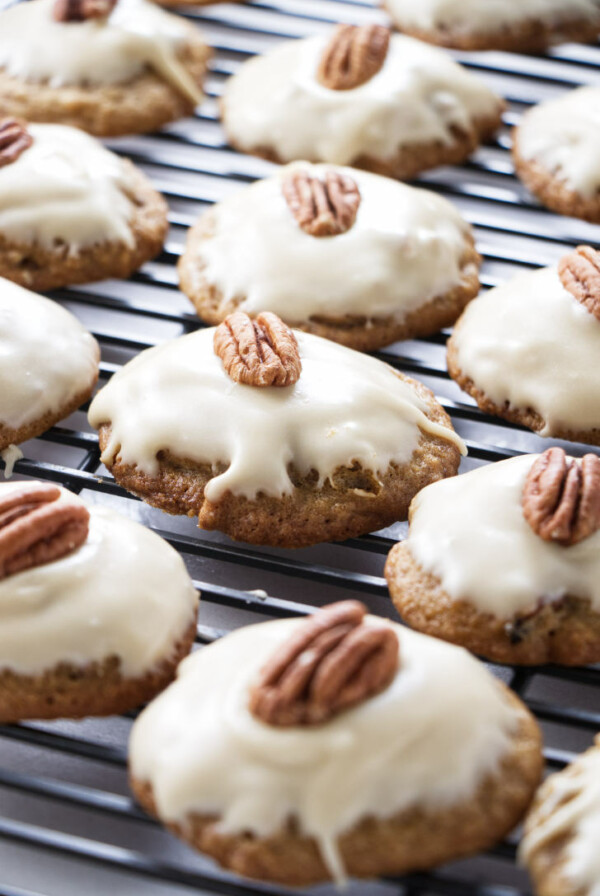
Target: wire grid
{"points": [[67, 822]]}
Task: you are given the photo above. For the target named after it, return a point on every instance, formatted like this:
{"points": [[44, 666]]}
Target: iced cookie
{"points": [[345, 254], [70, 210], [194, 2], [520, 25], [96, 611], [505, 560], [556, 149], [249, 754], [270, 435], [359, 97], [527, 350], [562, 830], [108, 66], [48, 364]]}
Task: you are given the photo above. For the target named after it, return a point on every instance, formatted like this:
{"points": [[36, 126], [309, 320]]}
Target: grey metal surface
{"points": [[67, 823]]}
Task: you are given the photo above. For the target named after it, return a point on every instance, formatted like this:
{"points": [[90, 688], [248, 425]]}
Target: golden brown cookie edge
{"points": [[140, 106], [98, 689], [415, 839], [360, 333], [41, 269], [564, 632], [307, 516]]}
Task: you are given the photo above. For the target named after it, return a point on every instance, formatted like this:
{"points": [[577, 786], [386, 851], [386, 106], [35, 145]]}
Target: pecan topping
{"points": [[322, 207], [80, 10], [260, 352], [14, 140], [579, 272], [561, 498], [37, 528], [332, 662], [353, 55]]}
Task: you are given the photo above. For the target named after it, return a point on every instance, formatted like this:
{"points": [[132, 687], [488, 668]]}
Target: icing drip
{"points": [[428, 740], [137, 35], [563, 135], [345, 407], [65, 188], [403, 250], [470, 532], [571, 807], [46, 356], [99, 601], [530, 343], [419, 95], [10, 456]]}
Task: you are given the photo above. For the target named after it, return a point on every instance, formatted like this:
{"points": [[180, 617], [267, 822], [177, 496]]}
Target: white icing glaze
{"points": [[345, 407], [571, 807], [124, 592], [470, 532], [481, 16], [563, 135], [403, 250], [417, 96], [65, 188], [428, 740], [46, 356], [136, 36], [531, 343]]}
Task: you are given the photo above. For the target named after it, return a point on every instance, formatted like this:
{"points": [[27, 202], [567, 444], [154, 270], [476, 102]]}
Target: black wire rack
{"points": [[67, 822]]}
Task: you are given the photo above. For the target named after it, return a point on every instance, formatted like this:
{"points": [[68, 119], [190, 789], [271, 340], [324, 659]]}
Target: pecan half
{"points": [[260, 352], [579, 272], [331, 663], [80, 10], [353, 55], [14, 140], [561, 497], [35, 528], [322, 207]]}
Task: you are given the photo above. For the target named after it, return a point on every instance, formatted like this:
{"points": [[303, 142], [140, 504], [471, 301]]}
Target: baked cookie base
{"points": [[176, 3], [357, 332], [531, 36], [10, 436], [409, 160], [139, 106], [547, 863], [98, 689], [413, 840], [566, 632], [40, 269], [553, 192], [354, 503], [522, 416]]}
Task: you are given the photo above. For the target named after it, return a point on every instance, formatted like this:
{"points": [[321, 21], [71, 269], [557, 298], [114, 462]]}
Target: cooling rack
{"points": [[67, 823]]}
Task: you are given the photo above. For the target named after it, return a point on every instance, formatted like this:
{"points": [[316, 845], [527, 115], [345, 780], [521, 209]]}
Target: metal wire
{"points": [[67, 822]]}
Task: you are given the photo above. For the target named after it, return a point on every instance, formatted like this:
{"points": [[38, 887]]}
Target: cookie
{"points": [[525, 26], [336, 252], [526, 350], [562, 830], [399, 108], [70, 210], [556, 149], [270, 435], [48, 364], [186, 3], [437, 770], [96, 610], [505, 560], [109, 68]]}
